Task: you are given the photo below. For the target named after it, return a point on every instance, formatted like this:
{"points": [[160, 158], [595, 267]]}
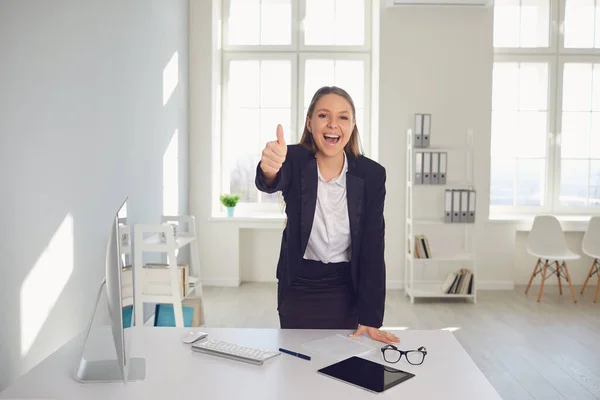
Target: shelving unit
{"points": [[450, 260], [160, 238]]}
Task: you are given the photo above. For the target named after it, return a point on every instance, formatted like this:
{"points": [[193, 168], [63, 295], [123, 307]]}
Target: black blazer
{"points": [[365, 185]]}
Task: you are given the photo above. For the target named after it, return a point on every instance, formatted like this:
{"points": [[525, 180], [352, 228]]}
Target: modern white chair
{"points": [[591, 247], [546, 241]]}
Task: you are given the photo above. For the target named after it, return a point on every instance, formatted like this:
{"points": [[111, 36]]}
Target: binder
{"points": [[426, 129], [418, 168], [435, 167], [448, 206], [455, 205], [464, 205], [426, 168], [443, 167], [472, 198], [418, 138]]}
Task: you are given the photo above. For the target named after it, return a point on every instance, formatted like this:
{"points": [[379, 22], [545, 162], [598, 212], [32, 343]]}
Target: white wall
{"points": [[82, 125], [436, 60]]}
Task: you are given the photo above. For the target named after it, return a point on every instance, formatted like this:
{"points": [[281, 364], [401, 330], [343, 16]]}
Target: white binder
{"points": [[472, 199], [418, 168], [448, 206], [418, 137], [443, 167], [464, 205], [455, 205], [435, 167], [426, 168], [426, 129]]}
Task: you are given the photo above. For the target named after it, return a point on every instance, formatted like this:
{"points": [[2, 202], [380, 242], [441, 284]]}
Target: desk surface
{"points": [[174, 371]]}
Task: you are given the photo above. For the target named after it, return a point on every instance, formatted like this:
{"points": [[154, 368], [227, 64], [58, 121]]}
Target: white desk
{"points": [[174, 371]]}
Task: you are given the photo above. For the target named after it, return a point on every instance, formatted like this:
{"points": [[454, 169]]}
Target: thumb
{"points": [[361, 329], [280, 138]]}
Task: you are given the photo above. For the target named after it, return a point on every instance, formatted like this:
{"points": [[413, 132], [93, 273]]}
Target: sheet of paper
{"points": [[338, 347]]}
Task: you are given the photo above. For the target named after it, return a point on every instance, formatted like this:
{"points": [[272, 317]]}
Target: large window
{"points": [[276, 54], [546, 107]]}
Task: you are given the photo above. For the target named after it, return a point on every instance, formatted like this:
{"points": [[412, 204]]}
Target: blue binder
{"points": [[164, 316]]}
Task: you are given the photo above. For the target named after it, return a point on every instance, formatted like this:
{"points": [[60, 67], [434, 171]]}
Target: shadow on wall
{"points": [[90, 116]]}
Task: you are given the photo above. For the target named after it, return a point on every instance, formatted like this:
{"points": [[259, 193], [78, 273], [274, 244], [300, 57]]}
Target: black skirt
{"points": [[320, 297]]}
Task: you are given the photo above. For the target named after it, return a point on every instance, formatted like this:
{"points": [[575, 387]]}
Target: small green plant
{"points": [[230, 200]]}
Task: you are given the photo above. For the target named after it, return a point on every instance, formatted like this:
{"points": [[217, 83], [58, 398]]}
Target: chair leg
{"points": [[597, 289], [558, 277], [543, 279], [535, 270], [589, 275], [569, 280]]}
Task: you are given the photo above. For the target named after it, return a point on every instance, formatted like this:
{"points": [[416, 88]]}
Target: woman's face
{"points": [[331, 124]]}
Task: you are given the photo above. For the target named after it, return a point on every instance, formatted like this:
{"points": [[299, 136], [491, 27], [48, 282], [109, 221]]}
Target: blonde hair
{"points": [[353, 146]]}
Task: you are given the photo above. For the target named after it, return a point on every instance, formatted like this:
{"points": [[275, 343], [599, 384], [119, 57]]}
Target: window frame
{"points": [[555, 55], [297, 52]]}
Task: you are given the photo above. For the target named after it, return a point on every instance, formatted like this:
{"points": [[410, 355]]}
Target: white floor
{"points": [[527, 350]]}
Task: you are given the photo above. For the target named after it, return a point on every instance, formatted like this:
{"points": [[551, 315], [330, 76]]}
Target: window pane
{"points": [[523, 23], [241, 150], [505, 86], [505, 126], [260, 22], [595, 183], [596, 88], [579, 24], [269, 119], [334, 22], [575, 136], [242, 178], [530, 141], [574, 182], [350, 76], [577, 87], [318, 73], [595, 136], [276, 83], [502, 181], [530, 182], [533, 86], [276, 22], [244, 22], [346, 74], [244, 83]]}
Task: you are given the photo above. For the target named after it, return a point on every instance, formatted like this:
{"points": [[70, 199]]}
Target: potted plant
{"points": [[230, 201]]}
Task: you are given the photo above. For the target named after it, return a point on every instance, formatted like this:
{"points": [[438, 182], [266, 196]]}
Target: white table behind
{"points": [[174, 371]]}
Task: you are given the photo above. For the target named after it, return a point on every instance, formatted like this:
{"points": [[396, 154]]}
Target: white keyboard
{"points": [[234, 351]]}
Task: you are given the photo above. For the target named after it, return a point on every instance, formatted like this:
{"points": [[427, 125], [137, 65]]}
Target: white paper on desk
{"points": [[338, 347]]}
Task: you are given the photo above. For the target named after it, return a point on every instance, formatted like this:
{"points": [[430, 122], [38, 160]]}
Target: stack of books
{"points": [[460, 282], [422, 248]]}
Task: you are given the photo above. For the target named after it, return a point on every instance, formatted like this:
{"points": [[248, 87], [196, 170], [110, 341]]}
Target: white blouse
{"points": [[329, 240]]}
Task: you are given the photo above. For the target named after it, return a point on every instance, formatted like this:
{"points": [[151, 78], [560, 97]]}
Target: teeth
{"points": [[332, 136]]}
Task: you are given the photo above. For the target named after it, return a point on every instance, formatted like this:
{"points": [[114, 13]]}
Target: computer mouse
{"points": [[191, 337]]}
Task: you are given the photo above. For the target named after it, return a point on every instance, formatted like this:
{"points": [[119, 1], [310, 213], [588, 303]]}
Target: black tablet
{"points": [[366, 374]]}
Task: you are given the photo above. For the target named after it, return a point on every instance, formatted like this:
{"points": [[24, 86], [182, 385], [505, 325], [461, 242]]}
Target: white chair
{"points": [[591, 247], [546, 241]]}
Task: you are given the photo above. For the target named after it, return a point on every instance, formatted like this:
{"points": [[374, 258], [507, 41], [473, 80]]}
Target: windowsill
{"points": [[524, 222], [519, 218], [251, 220]]}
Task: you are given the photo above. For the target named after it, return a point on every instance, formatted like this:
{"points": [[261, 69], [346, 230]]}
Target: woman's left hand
{"points": [[376, 334]]}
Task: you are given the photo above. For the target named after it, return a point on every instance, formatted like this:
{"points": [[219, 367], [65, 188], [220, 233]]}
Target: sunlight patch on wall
{"points": [[170, 78], [45, 283], [171, 177]]}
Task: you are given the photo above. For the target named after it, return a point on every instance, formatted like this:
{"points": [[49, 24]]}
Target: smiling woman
{"points": [[331, 269]]}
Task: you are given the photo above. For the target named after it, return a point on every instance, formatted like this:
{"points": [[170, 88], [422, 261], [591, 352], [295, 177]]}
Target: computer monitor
{"points": [[123, 368]]}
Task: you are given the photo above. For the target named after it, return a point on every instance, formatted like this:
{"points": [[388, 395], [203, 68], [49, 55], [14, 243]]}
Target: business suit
{"points": [[365, 181]]}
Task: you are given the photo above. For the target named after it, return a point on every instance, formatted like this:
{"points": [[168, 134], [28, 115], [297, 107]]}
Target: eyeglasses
{"points": [[392, 354]]}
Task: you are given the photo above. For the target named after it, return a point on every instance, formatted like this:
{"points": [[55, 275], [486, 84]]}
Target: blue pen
{"points": [[293, 353]]}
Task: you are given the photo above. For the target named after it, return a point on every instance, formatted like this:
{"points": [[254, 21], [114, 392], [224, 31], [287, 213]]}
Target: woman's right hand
{"points": [[273, 156]]}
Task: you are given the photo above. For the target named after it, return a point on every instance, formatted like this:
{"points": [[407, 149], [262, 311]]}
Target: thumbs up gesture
{"points": [[273, 156]]}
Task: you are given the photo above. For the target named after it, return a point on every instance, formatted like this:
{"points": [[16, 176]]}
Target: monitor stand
{"points": [[106, 371]]}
